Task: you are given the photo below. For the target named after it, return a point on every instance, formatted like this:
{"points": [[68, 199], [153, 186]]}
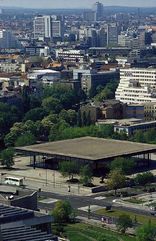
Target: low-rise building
{"points": [[131, 128]]}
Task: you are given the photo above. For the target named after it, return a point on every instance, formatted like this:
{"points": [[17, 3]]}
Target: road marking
{"points": [[99, 198], [93, 208], [49, 200]]}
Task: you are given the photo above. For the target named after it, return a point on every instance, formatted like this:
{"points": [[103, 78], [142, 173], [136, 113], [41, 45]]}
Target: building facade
{"points": [[137, 85]]}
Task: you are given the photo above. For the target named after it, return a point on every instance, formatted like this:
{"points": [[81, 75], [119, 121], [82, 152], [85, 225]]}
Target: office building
{"points": [[112, 35], [93, 79], [42, 27], [8, 40], [70, 55], [57, 29], [98, 9], [137, 85], [48, 27]]}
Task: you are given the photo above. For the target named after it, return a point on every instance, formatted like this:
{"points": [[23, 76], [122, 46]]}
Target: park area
{"points": [[85, 232]]}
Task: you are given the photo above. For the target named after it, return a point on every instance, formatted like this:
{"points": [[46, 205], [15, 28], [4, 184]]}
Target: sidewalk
{"points": [[102, 225], [46, 180]]}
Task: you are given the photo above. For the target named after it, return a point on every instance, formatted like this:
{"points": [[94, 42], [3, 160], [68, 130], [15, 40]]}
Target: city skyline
{"points": [[74, 3]]}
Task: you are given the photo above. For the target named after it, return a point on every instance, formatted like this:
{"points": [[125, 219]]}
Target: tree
{"points": [[147, 232], [150, 136], [7, 157], [116, 179], [51, 104], [138, 136], [68, 169], [35, 114], [126, 165], [62, 212], [144, 178], [70, 116], [25, 139], [86, 175], [124, 222]]}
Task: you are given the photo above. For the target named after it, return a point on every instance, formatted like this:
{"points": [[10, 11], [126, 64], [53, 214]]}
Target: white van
{"points": [[13, 181]]}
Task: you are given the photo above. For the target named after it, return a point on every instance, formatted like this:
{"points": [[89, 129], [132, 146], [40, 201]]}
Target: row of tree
{"points": [[71, 168], [64, 213], [115, 179]]}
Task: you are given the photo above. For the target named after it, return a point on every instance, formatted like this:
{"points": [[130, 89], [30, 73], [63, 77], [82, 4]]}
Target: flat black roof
{"points": [[89, 148]]}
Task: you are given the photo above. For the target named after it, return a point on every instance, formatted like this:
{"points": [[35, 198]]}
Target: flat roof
{"points": [[89, 148]]}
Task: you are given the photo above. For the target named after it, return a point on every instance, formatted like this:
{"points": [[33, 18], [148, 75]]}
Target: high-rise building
{"points": [[137, 85], [42, 27], [112, 35], [57, 28], [48, 27], [8, 40], [98, 9]]}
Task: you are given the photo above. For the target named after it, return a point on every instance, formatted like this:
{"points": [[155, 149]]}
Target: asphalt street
{"points": [[79, 202]]}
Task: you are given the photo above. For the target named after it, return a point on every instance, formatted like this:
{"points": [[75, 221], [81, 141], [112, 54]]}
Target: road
{"points": [[78, 202]]}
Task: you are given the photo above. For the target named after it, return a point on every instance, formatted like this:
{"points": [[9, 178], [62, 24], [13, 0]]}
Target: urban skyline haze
{"points": [[74, 3]]}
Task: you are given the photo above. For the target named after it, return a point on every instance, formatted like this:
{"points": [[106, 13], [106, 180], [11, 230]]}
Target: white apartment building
{"points": [[47, 27], [42, 27], [137, 85]]}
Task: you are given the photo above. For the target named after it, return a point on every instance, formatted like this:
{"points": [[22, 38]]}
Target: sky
{"points": [[74, 3]]}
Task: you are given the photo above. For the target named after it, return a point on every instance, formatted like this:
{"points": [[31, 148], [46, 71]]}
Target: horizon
{"points": [[66, 4]]}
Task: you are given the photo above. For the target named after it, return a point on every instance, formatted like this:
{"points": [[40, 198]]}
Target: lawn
{"points": [[116, 213], [135, 200], [84, 232]]}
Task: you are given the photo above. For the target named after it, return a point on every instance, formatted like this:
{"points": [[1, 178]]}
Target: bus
{"points": [[13, 181]]}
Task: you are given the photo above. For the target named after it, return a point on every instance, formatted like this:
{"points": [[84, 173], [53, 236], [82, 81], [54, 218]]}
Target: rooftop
{"points": [[89, 148]]}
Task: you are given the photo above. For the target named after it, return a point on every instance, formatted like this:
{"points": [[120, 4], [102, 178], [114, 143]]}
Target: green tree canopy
{"points": [[25, 139], [62, 212], [86, 175], [7, 157], [35, 114], [144, 178], [51, 104], [124, 222], [116, 180], [126, 165], [68, 169], [147, 232]]}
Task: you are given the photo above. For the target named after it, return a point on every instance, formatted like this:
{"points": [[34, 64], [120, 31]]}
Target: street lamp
{"points": [[54, 178], [89, 211], [44, 159]]}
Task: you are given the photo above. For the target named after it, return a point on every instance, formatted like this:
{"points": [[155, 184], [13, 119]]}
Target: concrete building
{"points": [[150, 111], [42, 27], [96, 152], [112, 35], [24, 225], [135, 111], [45, 76], [124, 40], [137, 85], [98, 9], [22, 198], [114, 51], [57, 29], [8, 40], [130, 128], [70, 55], [93, 79]]}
